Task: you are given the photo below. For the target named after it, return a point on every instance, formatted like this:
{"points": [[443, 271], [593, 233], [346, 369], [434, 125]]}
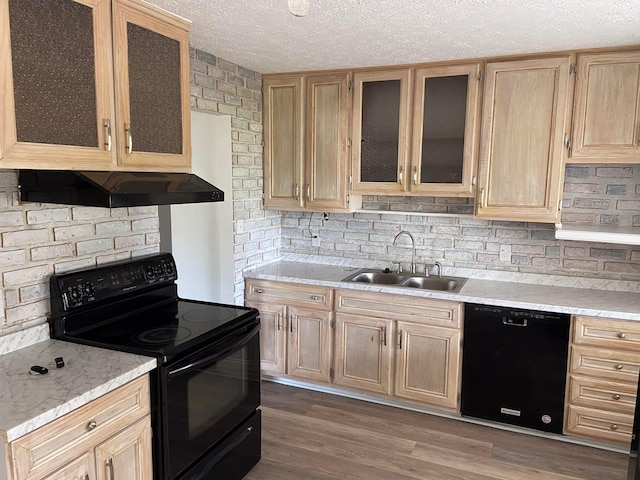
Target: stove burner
{"points": [[160, 335]]}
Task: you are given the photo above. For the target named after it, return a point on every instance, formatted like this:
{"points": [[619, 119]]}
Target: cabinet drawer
{"points": [[617, 366], [426, 311], [608, 333], [599, 424], [265, 291], [602, 395], [57, 443]]}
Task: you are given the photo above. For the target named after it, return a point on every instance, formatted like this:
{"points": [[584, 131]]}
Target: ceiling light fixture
{"points": [[299, 8]]}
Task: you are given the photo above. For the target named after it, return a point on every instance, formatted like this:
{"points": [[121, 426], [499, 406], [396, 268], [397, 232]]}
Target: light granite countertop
{"points": [[29, 401], [534, 296]]}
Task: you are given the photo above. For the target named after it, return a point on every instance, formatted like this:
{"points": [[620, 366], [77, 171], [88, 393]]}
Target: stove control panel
{"points": [[85, 287]]}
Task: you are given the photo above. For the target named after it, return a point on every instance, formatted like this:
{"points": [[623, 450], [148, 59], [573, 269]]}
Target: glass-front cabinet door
{"points": [[152, 69], [380, 131], [445, 130], [57, 93]]}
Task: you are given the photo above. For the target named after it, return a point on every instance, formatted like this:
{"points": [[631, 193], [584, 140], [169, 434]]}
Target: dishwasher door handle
{"points": [[514, 322]]}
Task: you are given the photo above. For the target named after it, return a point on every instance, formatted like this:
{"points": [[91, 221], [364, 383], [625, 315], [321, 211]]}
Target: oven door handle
{"points": [[244, 339]]}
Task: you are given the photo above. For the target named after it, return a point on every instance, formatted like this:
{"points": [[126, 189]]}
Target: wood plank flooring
{"points": [[309, 435]]}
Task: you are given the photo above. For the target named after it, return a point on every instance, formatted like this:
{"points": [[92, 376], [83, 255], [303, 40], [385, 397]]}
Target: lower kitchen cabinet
{"points": [[109, 438], [364, 353], [295, 336], [403, 346], [428, 364], [602, 383]]}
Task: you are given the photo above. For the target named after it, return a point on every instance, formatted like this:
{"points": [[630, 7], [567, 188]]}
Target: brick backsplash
{"points": [[596, 194], [41, 239]]}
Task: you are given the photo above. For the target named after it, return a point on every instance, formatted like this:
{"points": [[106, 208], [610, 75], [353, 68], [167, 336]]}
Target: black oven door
{"points": [[207, 395]]}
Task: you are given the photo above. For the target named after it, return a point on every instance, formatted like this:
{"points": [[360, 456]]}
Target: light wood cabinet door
{"points": [[273, 337], [152, 77], [58, 122], [446, 122], [326, 152], [364, 353], [282, 116], [82, 468], [380, 131], [126, 455], [607, 108], [116, 94], [428, 364], [310, 344], [522, 151]]}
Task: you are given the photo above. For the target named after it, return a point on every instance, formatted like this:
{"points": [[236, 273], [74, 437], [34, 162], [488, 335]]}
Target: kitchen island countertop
{"points": [[552, 298], [28, 401]]}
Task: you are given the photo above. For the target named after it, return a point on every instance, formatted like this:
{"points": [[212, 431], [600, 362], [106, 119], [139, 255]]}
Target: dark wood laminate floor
{"points": [[309, 435]]}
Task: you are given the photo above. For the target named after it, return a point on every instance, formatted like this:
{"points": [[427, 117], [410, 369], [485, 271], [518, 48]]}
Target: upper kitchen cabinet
{"points": [[380, 131], [445, 130], [306, 153], [525, 117], [61, 76], [606, 125], [283, 142]]}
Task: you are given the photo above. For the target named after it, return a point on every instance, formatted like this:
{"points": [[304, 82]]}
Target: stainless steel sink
{"points": [[379, 277], [433, 283]]}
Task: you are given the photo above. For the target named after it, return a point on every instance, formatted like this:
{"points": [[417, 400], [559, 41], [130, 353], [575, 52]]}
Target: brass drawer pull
{"points": [[91, 425], [258, 290], [619, 366], [622, 335], [616, 396], [614, 427], [314, 297]]}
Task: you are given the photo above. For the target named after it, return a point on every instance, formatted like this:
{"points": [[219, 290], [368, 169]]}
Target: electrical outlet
{"points": [[315, 241]]}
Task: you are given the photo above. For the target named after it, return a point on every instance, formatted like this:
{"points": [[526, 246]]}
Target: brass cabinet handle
{"points": [[619, 366], [296, 190], [91, 425], [308, 192], [415, 175], [127, 130], [614, 427], [400, 175], [291, 323], [384, 336], [622, 335], [111, 469], [258, 290], [400, 340], [107, 127], [277, 321], [314, 297], [616, 396], [481, 199]]}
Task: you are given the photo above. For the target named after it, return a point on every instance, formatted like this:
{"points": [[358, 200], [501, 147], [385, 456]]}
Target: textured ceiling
{"points": [[263, 36]]}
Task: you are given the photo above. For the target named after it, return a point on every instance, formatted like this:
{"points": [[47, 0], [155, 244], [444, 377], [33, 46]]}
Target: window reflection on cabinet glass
{"points": [[380, 131], [154, 90], [445, 104], [53, 72]]}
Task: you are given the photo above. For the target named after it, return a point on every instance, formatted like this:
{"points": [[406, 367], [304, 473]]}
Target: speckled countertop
{"points": [[29, 401], [535, 296]]}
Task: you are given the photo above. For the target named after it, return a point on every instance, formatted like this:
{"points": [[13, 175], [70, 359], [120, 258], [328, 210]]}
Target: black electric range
{"points": [[205, 392]]}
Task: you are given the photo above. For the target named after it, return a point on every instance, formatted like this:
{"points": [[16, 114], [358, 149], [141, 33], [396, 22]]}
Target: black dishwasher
{"points": [[514, 366]]}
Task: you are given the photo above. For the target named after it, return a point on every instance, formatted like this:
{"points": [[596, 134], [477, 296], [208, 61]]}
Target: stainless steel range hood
{"points": [[114, 189]]}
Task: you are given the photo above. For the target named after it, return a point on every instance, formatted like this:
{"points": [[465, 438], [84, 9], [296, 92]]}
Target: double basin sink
{"points": [[412, 280]]}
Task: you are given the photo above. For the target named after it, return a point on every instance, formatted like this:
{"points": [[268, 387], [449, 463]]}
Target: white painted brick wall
{"points": [[40, 239]]}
